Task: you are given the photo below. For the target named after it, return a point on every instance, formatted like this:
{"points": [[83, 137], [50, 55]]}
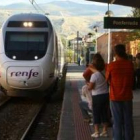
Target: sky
{"points": [[6, 2]]}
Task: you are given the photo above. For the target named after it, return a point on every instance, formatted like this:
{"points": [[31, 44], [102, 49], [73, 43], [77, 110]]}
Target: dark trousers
{"points": [[122, 113], [100, 108]]}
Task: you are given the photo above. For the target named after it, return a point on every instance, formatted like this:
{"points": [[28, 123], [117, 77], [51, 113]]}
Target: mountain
{"points": [[16, 6], [73, 8], [68, 17]]}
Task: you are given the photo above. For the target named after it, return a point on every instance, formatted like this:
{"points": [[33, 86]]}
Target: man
{"points": [[120, 74], [138, 70]]}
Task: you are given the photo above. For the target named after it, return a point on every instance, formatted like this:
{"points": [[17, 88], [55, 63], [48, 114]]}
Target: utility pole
{"points": [[109, 14], [77, 44]]}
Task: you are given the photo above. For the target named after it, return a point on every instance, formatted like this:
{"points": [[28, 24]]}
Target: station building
{"points": [[123, 37]]}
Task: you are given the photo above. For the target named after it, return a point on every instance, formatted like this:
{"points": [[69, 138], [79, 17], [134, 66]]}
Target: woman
{"points": [[86, 103], [100, 96]]}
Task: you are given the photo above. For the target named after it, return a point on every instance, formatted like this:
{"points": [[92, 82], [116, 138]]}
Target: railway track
{"points": [[46, 125], [4, 100], [26, 132], [27, 119], [17, 117]]}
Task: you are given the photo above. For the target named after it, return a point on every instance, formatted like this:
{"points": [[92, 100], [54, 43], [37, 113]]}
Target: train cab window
{"points": [[26, 46]]}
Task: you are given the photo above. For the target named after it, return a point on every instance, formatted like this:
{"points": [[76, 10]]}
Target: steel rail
{"points": [[32, 122]]}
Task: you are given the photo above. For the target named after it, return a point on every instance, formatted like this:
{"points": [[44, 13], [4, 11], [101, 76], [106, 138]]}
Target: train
{"points": [[31, 55]]}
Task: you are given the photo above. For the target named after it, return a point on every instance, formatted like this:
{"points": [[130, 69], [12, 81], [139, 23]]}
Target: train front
{"points": [[24, 55]]}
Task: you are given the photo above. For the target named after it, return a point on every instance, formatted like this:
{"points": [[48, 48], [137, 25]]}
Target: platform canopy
{"points": [[131, 3]]}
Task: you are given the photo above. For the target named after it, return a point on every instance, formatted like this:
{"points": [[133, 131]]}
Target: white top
{"points": [[101, 86], [86, 96]]}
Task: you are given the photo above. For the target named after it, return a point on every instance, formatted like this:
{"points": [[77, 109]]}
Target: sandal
{"points": [[87, 120], [95, 135], [104, 134]]}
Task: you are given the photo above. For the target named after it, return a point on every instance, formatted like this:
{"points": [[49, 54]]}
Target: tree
{"points": [[135, 34], [136, 13]]}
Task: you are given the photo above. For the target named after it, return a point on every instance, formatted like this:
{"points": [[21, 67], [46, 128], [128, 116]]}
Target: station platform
{"points": [[72, 125]]}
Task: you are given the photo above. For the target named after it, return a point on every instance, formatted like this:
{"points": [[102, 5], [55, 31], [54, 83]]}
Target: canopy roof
{"points": [[131, 3]]}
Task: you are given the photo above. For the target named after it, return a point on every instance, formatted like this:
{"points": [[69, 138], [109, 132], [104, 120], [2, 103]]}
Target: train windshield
{"points": [[26, 46]]}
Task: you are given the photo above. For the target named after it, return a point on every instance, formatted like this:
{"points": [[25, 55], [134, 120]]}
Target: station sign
{"points": [[121, 22]]}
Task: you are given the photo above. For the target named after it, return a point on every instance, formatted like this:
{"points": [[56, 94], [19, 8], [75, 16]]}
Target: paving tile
{"points": [[71, 118]]}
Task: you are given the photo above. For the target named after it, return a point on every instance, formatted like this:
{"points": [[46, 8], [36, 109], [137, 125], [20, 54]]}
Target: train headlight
{"points": [[36, 57], [27, 24], [14, 57], [30, 24]]}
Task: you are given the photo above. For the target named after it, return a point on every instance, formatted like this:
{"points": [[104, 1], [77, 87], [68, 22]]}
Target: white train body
{"points": [[30, 54]]}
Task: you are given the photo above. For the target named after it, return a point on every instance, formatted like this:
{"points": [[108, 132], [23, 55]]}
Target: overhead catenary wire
{"points": [[39, 7], [32, 2], [36, 6]]}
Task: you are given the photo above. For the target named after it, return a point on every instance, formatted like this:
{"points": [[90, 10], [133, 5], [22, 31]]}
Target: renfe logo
{"points": [[24, 73]]}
